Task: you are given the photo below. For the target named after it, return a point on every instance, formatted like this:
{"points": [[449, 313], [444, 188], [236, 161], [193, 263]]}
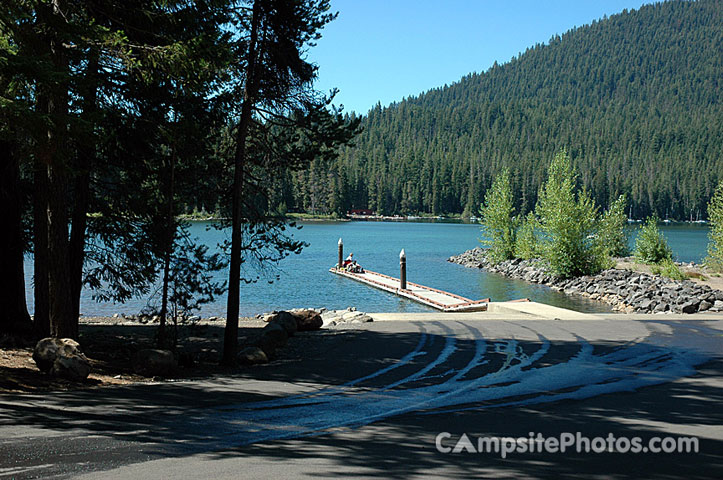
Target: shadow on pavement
{"points": [[138, 423]]}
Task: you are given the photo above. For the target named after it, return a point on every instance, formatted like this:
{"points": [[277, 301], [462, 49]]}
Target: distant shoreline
{"points": [[305, 217]]}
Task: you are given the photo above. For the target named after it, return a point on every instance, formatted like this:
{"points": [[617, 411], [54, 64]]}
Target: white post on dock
{"points": [[341, 254], [402, 270]]}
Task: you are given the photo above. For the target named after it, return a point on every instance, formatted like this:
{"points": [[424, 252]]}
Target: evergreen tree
{"points": [[497, 218], [13, 307], [88, 155], [715, 216], [651, 247], [526, 244], [14, 315], [283, 124], [645, 81], [567, 222], [611, 237]]}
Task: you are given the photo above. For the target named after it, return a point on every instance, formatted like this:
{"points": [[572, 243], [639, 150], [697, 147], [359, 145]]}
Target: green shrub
{"points": [[612, 239], [526, 242], [668, 268], [651, 246], [568, 222], [498, 224], [715, 235]]}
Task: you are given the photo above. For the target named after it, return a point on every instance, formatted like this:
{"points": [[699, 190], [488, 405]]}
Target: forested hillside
{"points": [[634, 98]]}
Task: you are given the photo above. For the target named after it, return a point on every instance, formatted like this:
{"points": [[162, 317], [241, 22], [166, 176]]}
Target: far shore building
{"points": [[361, 211]]}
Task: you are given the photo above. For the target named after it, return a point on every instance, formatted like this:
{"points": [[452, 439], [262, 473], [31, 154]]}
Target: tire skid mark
{"points": [[329, 395], [450, 346], [507, 373], [303, 398], [386, 402], [334, 395], [396, 402], [591, 375], [516, 382], [310, 418], [401, 362]]}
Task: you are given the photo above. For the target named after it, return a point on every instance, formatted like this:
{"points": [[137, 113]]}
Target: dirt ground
{"points": [[695, 273], [110, 343]]}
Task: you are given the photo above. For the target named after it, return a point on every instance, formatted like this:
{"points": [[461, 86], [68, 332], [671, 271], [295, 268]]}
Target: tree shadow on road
{"points": [[137, 423]]}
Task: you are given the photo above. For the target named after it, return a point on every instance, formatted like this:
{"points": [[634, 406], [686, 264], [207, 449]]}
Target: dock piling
{"points": [[341, 254], [402, 270]]}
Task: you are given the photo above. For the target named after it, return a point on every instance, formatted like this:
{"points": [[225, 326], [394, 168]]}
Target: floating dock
{"points": [[444, 301]]}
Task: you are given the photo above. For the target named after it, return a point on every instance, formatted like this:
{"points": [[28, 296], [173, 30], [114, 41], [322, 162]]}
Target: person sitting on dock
{"points": [[354, 267], [350, 265]]}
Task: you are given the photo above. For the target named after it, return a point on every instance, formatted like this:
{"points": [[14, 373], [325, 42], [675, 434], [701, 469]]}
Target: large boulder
{"points": [[272, 337], [352, 315], [73, 367], [661, 307], [154, 363], [286, 320], [690, 306], [307, 320], [62, 358], [46, 351], [252, 356], [704, 305]]}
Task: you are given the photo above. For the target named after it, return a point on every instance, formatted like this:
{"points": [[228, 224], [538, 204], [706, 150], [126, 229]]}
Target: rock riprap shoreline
{"points": [[625, 290]]}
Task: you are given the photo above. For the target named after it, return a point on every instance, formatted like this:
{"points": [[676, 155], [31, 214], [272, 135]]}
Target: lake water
{"points": [[306, 282]]}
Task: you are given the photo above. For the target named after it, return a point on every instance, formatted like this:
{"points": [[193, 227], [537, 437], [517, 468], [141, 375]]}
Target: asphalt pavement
{"points": [[406, 396]]}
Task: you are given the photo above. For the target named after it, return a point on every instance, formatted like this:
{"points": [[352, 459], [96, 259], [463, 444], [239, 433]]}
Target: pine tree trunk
{"points": [[79, 224], [86, 158], [230, 336], [168, 251], [62, 322], [51, 153], [14, 317], [41, 317], [161, 341]]}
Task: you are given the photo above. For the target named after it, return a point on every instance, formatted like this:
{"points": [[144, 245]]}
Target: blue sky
{"points": [[385, 50]]}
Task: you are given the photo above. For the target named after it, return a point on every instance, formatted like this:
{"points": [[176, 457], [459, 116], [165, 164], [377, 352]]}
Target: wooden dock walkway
{"points": [[444, 301]]}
